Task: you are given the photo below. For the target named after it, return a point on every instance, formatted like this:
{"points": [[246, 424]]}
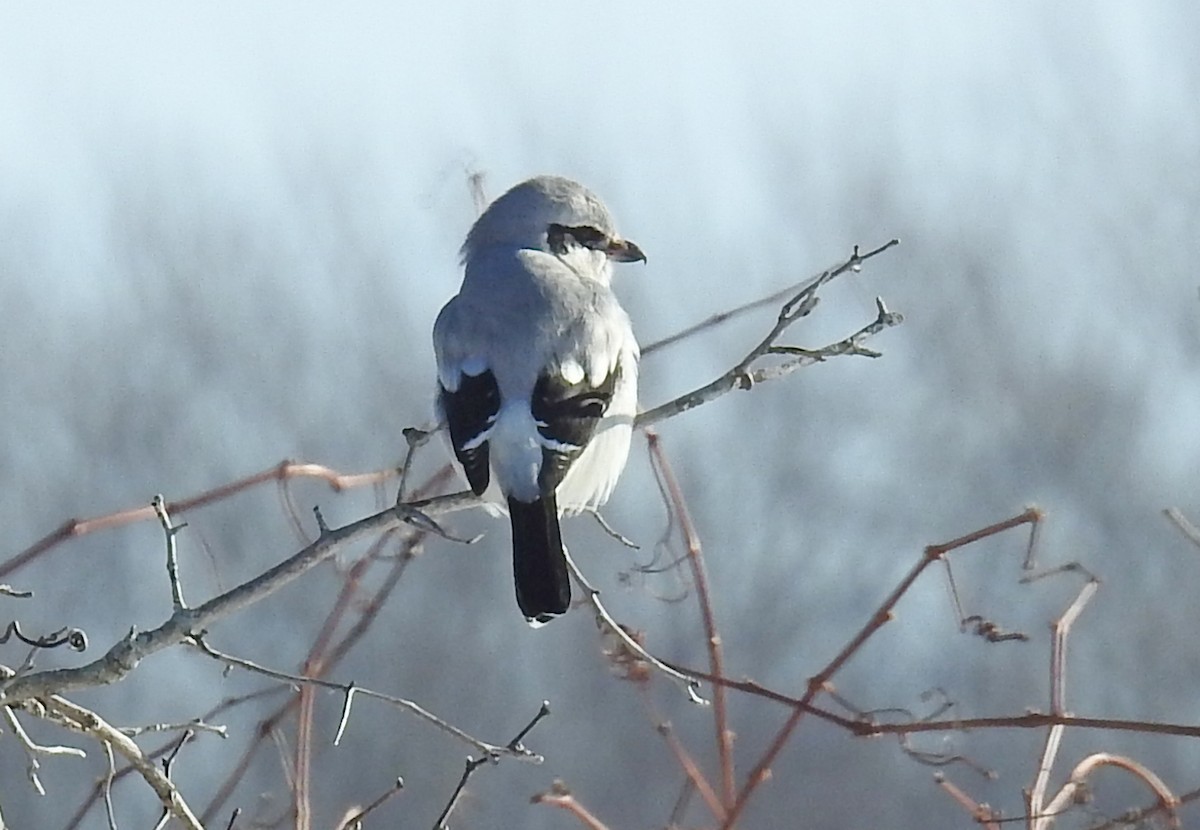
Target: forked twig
{"points": [[559, 796], [159, 506], [514, 746], [745, 374], [882, 615], [87, 722], [1042, 816], [349, 690]]}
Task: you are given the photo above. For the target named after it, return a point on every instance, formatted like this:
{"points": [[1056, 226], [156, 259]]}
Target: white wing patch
{"points": [[473, 366], [572, 371], [557, 446]]}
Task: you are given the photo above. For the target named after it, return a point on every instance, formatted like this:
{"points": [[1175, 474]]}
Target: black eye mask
{"points": [[557, 237]]}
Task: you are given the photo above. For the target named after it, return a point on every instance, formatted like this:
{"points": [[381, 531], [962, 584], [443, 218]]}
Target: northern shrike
{"points": [[537, 371]]}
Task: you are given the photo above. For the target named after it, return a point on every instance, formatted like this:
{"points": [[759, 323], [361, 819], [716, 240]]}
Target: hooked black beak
{"points": [[622, 250]]}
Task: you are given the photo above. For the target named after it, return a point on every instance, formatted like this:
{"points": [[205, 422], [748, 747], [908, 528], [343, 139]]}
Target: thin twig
{"points": [[1026, 720], [692, 770], [716, 662], [159, 505], [73, 638], [1058, 685], [196, 724], [771, 300], [302, 757], [33, 750], [1184, 524], [881, 617], [162, 750], [282, 471], [559, 796], [871, 728], [1135, 818], [744, 375], [606, 620], [1167, 800], [611, 531], [491, 750], [85, 721], [367, 614], [125, 655], [109, 812], [979, 812], [355, 820], [414, 439], [474, 764]]}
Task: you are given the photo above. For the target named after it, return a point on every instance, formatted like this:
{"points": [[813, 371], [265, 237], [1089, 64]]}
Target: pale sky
{"points": [[225, 232]]}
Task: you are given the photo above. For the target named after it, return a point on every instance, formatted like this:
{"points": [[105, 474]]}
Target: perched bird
{"points": [[537, 371]]}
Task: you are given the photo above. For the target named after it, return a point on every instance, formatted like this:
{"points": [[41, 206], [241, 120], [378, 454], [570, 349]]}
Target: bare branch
{"points": [[474, 764], [159, 505], [882, 615], [33, 750], [773, 299], [605, 619], [982, 813], [125, 655], [744, 375], [354, 821], [610, 530], [415, 439], [492, 751], [109, 812], [1184, 524], [561, 797], [73, 638], [1077, 783], [87, 722], [1043, 815], [283, 471], [692, 771], [716, 660]]}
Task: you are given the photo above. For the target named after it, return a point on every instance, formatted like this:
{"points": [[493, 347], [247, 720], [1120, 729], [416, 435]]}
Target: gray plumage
{"points": [[537, 369]]}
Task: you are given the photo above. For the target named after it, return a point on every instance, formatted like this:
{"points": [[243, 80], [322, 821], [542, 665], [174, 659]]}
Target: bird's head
{"points": [[553, 214]]}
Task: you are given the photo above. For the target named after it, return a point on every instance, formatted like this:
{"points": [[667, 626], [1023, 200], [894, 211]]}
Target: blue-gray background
{"points": [[225, 233]]}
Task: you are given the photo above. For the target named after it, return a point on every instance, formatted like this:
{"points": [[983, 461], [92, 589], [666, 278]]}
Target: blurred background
{"points": [[225, 233]]}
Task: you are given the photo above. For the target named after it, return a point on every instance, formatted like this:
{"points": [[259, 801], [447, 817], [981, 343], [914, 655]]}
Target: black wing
{"points": [[470, 413], [567, 414]]}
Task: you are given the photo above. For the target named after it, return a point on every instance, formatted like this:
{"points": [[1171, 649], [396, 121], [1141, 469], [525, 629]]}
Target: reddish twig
{"points": [[282, 471], [367, 615], [691, 770], [559, 796], [354, 820], [881, 617], [981, 813], [716, 661], [1133, 818], [871, 729]]}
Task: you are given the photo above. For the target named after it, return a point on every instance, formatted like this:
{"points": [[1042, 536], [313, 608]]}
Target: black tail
{"points": [[539, 564]]}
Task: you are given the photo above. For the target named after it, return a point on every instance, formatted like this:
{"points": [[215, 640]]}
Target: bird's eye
{"points": [[559, 237]]}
